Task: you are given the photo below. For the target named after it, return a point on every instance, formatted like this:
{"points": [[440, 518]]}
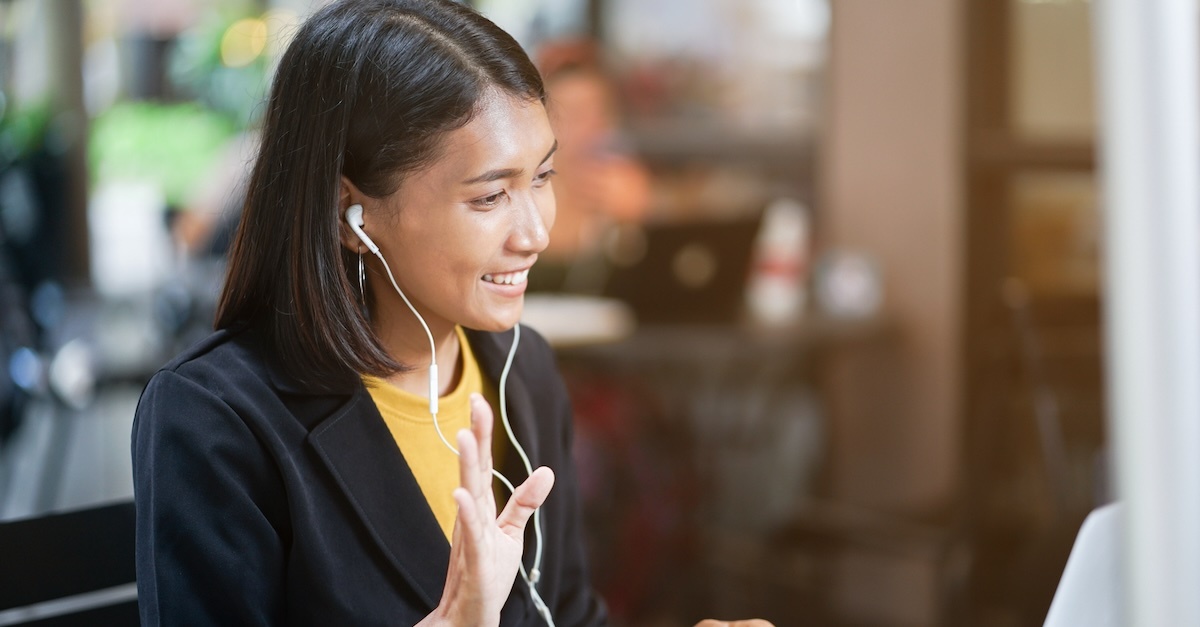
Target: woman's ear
{"points": [[349, 195]]}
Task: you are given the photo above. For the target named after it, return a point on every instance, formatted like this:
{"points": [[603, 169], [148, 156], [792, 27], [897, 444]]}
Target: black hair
{"points": [[366, 89]]}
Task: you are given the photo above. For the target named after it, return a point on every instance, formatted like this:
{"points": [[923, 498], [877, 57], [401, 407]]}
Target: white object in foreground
{"points": [[1091, 590]]}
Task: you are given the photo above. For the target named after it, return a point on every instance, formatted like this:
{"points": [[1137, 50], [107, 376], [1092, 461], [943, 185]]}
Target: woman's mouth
{"points": [[508, 278]]}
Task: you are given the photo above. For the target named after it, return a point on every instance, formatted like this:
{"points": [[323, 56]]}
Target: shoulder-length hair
{"points": [[366, 89]]}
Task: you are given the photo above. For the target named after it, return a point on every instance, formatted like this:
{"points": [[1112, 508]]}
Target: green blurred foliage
{"points": [[196, 68], [175, 145], [171, 145], [23, 130]]}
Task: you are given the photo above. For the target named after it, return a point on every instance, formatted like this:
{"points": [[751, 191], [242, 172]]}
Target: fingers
{"points": [[468, 527], [482, 422], [481, 427], [475, 469], [528, 497], [468, 463], [757, 622], [475, 466]]}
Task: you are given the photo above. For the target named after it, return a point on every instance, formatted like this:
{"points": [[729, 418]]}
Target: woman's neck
{"points": [[406, 342]]}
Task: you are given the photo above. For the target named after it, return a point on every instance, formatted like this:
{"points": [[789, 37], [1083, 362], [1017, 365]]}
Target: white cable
{"points": [[536, 573], [433, 372], [531, 578], [433, 385]]}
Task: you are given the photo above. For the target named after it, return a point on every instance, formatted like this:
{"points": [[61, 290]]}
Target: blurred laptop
{"points": [[684, 273], [1091, 590]]}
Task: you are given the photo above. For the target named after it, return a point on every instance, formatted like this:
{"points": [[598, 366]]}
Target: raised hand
{"points": [[485, 551]]}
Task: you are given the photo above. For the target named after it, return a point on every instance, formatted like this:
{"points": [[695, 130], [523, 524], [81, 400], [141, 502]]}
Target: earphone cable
{"points": [[530, 577], [537, 513], [428, 334]]}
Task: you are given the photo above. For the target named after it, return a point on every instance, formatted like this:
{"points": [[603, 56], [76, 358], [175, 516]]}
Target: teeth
{"points": [[510, 278]]}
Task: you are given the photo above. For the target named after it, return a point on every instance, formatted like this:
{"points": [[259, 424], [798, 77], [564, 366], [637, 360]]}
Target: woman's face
{"points": [[461, 234]]}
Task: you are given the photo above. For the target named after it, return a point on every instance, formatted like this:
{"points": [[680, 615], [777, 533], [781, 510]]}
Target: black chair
{"points": [[75, 568]]}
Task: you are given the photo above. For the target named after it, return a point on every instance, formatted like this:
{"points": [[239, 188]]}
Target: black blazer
{"points": [[260, 502]]}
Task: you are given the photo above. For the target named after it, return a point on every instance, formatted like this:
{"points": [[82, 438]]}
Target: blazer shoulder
{"points": [[227, 374], [226, 358]]}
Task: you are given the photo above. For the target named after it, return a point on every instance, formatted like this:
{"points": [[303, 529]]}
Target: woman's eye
{"points": [[490, 201], [545, 177]]}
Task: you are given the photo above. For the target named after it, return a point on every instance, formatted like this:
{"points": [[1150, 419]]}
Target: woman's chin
{"points": [[499, 323]]}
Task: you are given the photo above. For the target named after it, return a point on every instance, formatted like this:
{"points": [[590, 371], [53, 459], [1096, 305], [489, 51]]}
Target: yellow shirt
{"points": [[407, 417]]}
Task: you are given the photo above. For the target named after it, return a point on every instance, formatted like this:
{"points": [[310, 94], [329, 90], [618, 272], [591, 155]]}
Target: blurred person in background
{"points": [[601, 184], [291, 468]]}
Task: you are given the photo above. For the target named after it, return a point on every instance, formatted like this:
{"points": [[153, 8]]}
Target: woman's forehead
{"points": [[505, 132]]}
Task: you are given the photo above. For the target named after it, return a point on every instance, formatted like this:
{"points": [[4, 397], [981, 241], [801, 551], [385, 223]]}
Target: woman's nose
{"points": [[531, 233]]}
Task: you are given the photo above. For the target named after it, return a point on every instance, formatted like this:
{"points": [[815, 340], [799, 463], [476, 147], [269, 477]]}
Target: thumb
{"points": [[525, 499]]}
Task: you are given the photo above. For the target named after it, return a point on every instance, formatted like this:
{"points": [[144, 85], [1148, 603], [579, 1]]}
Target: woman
{"points": [[273, 479], [293, 468]]}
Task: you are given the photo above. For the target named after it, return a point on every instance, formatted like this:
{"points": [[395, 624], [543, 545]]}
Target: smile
{"points": [[509, 278]]}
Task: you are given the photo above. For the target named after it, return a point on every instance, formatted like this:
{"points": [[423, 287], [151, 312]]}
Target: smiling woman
{"points": [[288, 469], [292, 468]]}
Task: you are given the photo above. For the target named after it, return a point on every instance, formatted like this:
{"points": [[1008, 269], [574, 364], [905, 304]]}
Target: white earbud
{"points": [[354, 217]]}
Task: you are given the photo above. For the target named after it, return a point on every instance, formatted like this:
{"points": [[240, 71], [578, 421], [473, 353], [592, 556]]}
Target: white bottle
{"points": [[776, 291]]}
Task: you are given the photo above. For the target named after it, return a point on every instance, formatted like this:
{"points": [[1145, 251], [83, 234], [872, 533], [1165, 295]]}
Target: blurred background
{"points": [[824, 284]]}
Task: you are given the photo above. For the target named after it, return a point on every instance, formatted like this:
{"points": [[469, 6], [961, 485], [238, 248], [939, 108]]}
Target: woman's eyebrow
{"points": [[496, 175]]}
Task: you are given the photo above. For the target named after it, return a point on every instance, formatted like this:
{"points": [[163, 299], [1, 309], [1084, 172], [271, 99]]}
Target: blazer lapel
{"points": [[356, 446], [359, 451], [491, 350]]}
